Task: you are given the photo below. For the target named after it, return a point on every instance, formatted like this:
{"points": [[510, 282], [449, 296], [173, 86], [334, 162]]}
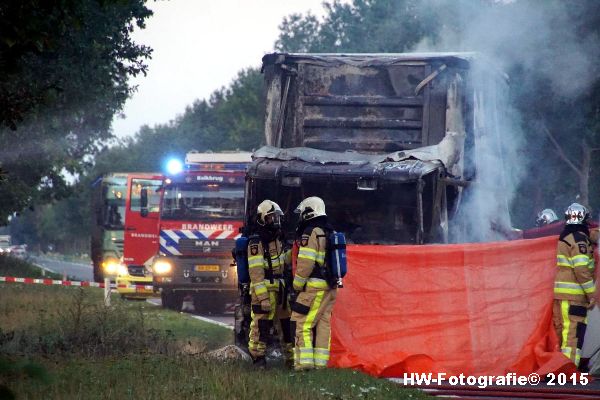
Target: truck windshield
{"points": [[201, 201], [114, 206], [385, 216]]}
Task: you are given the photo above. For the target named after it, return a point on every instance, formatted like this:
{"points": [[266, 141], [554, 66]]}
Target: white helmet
{"points": [[576, 214], [269, 213], [545, 217], [310, 208]]}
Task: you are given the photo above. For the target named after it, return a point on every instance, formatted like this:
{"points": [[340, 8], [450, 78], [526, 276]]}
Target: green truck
{"points": [[108, 217]]}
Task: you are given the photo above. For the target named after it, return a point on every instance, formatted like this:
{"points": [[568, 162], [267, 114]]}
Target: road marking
{"points": [[157, 302], [45, 268], [212, 321]]}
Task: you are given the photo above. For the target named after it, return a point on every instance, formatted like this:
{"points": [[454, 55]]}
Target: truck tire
{"points": [[209, 303], [171, 300]]}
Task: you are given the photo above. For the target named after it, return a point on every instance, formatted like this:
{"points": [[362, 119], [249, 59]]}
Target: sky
{"points": [[199, 46]]}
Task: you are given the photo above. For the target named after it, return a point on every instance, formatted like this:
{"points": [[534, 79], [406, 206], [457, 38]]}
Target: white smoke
{"points": [[539, 37]]}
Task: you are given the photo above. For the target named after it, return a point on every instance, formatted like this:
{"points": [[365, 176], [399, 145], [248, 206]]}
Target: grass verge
{"points": [[62, 343], [184, 377]]}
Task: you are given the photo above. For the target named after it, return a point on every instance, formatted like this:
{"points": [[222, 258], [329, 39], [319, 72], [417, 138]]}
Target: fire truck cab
{"points": [[142, 207], [201, 213]]}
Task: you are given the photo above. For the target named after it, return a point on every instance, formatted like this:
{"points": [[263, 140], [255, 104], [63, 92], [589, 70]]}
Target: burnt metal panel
{"points": [[367, 103]]}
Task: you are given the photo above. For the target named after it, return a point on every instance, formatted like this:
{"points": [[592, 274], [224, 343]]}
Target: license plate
{"points": [[140, 290], [207, 268]]}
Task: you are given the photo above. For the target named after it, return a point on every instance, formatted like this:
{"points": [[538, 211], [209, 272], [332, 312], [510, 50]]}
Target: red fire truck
{"points": [[200, 215]]}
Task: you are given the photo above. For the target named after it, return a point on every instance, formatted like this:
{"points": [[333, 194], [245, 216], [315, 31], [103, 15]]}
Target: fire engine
{"points": [[201, 211]]}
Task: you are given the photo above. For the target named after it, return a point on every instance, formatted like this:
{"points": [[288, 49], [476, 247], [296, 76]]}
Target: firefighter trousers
{"points": [[570, 322], [262, 322], [311, 320]]}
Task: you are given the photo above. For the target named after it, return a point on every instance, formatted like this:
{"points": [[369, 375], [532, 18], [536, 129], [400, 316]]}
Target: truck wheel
{"points": [[201, 304], [171, 300], [209, 303]]}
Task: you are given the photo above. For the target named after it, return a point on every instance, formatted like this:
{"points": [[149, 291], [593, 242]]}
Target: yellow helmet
{"points": [[310, 208], [269, 213]]}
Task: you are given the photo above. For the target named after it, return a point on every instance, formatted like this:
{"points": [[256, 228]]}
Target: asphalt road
{"points": [[226, 320], [77, 271]]}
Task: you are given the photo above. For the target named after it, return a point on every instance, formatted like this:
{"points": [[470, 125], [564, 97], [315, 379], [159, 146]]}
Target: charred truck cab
{"points": [[373, 199], [201, 214]]}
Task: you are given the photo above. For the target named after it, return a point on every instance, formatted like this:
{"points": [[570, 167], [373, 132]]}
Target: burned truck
{"points": [[393, 143], [399, 146]]}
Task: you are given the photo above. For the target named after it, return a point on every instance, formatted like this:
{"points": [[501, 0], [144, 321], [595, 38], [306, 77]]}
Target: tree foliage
{"points": [[363, 26], [64, 69]]}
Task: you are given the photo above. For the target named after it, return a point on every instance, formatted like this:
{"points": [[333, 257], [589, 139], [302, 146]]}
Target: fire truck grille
{"points": [[136, 270]]}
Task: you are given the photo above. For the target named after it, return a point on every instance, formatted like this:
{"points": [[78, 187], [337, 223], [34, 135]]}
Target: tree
{"points": [[364, 26], [231, 119], [64, 74]]}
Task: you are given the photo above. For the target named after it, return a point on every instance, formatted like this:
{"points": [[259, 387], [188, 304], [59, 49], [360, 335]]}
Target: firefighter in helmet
{"points": [[311, 311], [574, 286], [267, 260], [546, 217]]}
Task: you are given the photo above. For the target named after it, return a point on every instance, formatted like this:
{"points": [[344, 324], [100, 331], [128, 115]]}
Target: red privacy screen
{"points": [[477, 309]]}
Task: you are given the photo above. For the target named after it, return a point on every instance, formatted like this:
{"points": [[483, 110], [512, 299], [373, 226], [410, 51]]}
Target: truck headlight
{"points": [[161, 267], [110, 266]]}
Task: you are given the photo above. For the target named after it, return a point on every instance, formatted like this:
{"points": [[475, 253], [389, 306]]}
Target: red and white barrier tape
{"points": [[12, 279]]}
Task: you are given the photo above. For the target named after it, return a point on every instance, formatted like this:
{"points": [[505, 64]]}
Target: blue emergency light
{"points": [[174, 166]]}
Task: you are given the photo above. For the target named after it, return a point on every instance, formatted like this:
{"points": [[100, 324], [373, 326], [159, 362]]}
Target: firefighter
{"points": [[311, 310], [546, 217], [574, 286], [267, 260]]}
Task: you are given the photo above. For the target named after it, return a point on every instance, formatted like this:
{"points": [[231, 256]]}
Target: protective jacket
{"points": [[312, 247], [265, 267], [575, 263]]}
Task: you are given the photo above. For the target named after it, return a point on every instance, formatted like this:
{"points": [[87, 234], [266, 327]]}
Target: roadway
{"points": [[78, 271], [225, 320]]}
